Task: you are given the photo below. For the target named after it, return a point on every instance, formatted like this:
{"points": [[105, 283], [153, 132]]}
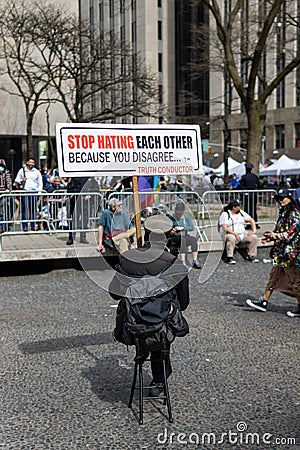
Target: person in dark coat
{"points": [[153, 261], [248, 182], [75, 186], [5, 188]]}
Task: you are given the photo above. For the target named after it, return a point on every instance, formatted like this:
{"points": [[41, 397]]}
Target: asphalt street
{"points": [[65, 383]]}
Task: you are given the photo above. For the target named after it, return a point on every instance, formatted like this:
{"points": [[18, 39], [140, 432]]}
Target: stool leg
{"points": [[133, 384], [166, 392], [141, 392]]}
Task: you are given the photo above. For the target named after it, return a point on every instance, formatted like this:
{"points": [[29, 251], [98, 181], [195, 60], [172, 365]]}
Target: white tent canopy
{"points": [[294, 171], [282, 166], [231, 164], [240, 169]]}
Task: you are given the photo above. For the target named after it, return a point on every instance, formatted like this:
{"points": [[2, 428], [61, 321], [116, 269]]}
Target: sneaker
{"points": [[70, 242], [155, 389], [196, 264], [259, 304], [83, 241], [230, 260], [295, 313], [252, 259]]}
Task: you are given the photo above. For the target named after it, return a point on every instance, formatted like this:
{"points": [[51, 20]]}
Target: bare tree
{"points": [[51, 56], [98, 77], [248, 34], [19, 56]]}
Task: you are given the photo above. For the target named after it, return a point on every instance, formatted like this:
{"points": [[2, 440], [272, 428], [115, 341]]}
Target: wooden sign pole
{"points": [[137, 213]]}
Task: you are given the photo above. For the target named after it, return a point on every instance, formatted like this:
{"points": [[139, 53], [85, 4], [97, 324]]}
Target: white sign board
{"points": [[105, 149]]}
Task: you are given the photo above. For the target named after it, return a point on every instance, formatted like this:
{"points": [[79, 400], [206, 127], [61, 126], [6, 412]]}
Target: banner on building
{"points": [[142, 150]]}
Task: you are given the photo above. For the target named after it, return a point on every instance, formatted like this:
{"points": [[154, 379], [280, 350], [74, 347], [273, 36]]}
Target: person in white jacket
{"points": [[29, 179], [232, 230]]}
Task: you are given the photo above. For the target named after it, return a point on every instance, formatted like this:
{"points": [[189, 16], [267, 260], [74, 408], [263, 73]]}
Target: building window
{"points": [[297, 135], [111, 9], [160, 64], [280, 51], [279, 130], [159, 30], [280, 91], [159, 3], [160, 94]]}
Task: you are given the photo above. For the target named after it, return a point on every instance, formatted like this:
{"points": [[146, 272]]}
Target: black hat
{"points": [[234, 202], [159, 223], [249, 165], [283, 193]]}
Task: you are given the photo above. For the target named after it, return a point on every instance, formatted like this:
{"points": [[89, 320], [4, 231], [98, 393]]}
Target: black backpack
{"points": [[151, 314]]}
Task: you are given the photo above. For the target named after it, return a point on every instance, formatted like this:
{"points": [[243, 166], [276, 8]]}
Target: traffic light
{"points": [[209, 149]]}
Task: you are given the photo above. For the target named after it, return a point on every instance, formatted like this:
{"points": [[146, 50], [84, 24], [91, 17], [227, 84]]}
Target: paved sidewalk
{"points": [[39, 246], [65, 384]]}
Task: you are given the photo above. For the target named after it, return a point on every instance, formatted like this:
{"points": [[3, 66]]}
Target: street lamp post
{"points": [[263, 143]]}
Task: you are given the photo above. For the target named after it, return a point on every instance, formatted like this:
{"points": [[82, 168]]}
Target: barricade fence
{"points": [[60, 211], [259, 204]]}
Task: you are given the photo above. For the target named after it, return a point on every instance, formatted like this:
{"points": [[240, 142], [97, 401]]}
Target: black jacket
{"points": [[153, 261], [250, 181]]}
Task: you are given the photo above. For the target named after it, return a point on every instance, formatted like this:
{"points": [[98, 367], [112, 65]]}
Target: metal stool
{"points": [[138, 368]]}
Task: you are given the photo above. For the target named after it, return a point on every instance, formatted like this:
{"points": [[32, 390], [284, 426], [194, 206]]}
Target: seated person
{"points": [[232, 230], [114, 224], [156, 263], [179, 237]]}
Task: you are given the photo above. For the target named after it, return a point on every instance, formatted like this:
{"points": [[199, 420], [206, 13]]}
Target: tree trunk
{"points": [[256, 114], [29, 139], [226, 150]]}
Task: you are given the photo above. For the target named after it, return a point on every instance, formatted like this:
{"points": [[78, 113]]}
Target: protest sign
{"points": [[106, 149]]}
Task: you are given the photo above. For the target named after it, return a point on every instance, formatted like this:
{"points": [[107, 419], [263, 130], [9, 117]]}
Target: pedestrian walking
{"points": [[285, 274]]}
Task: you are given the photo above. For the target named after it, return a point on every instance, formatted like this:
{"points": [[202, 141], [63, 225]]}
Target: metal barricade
{"points": [[60, 211], [162, 203], [47, 213], [259, 204]]}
